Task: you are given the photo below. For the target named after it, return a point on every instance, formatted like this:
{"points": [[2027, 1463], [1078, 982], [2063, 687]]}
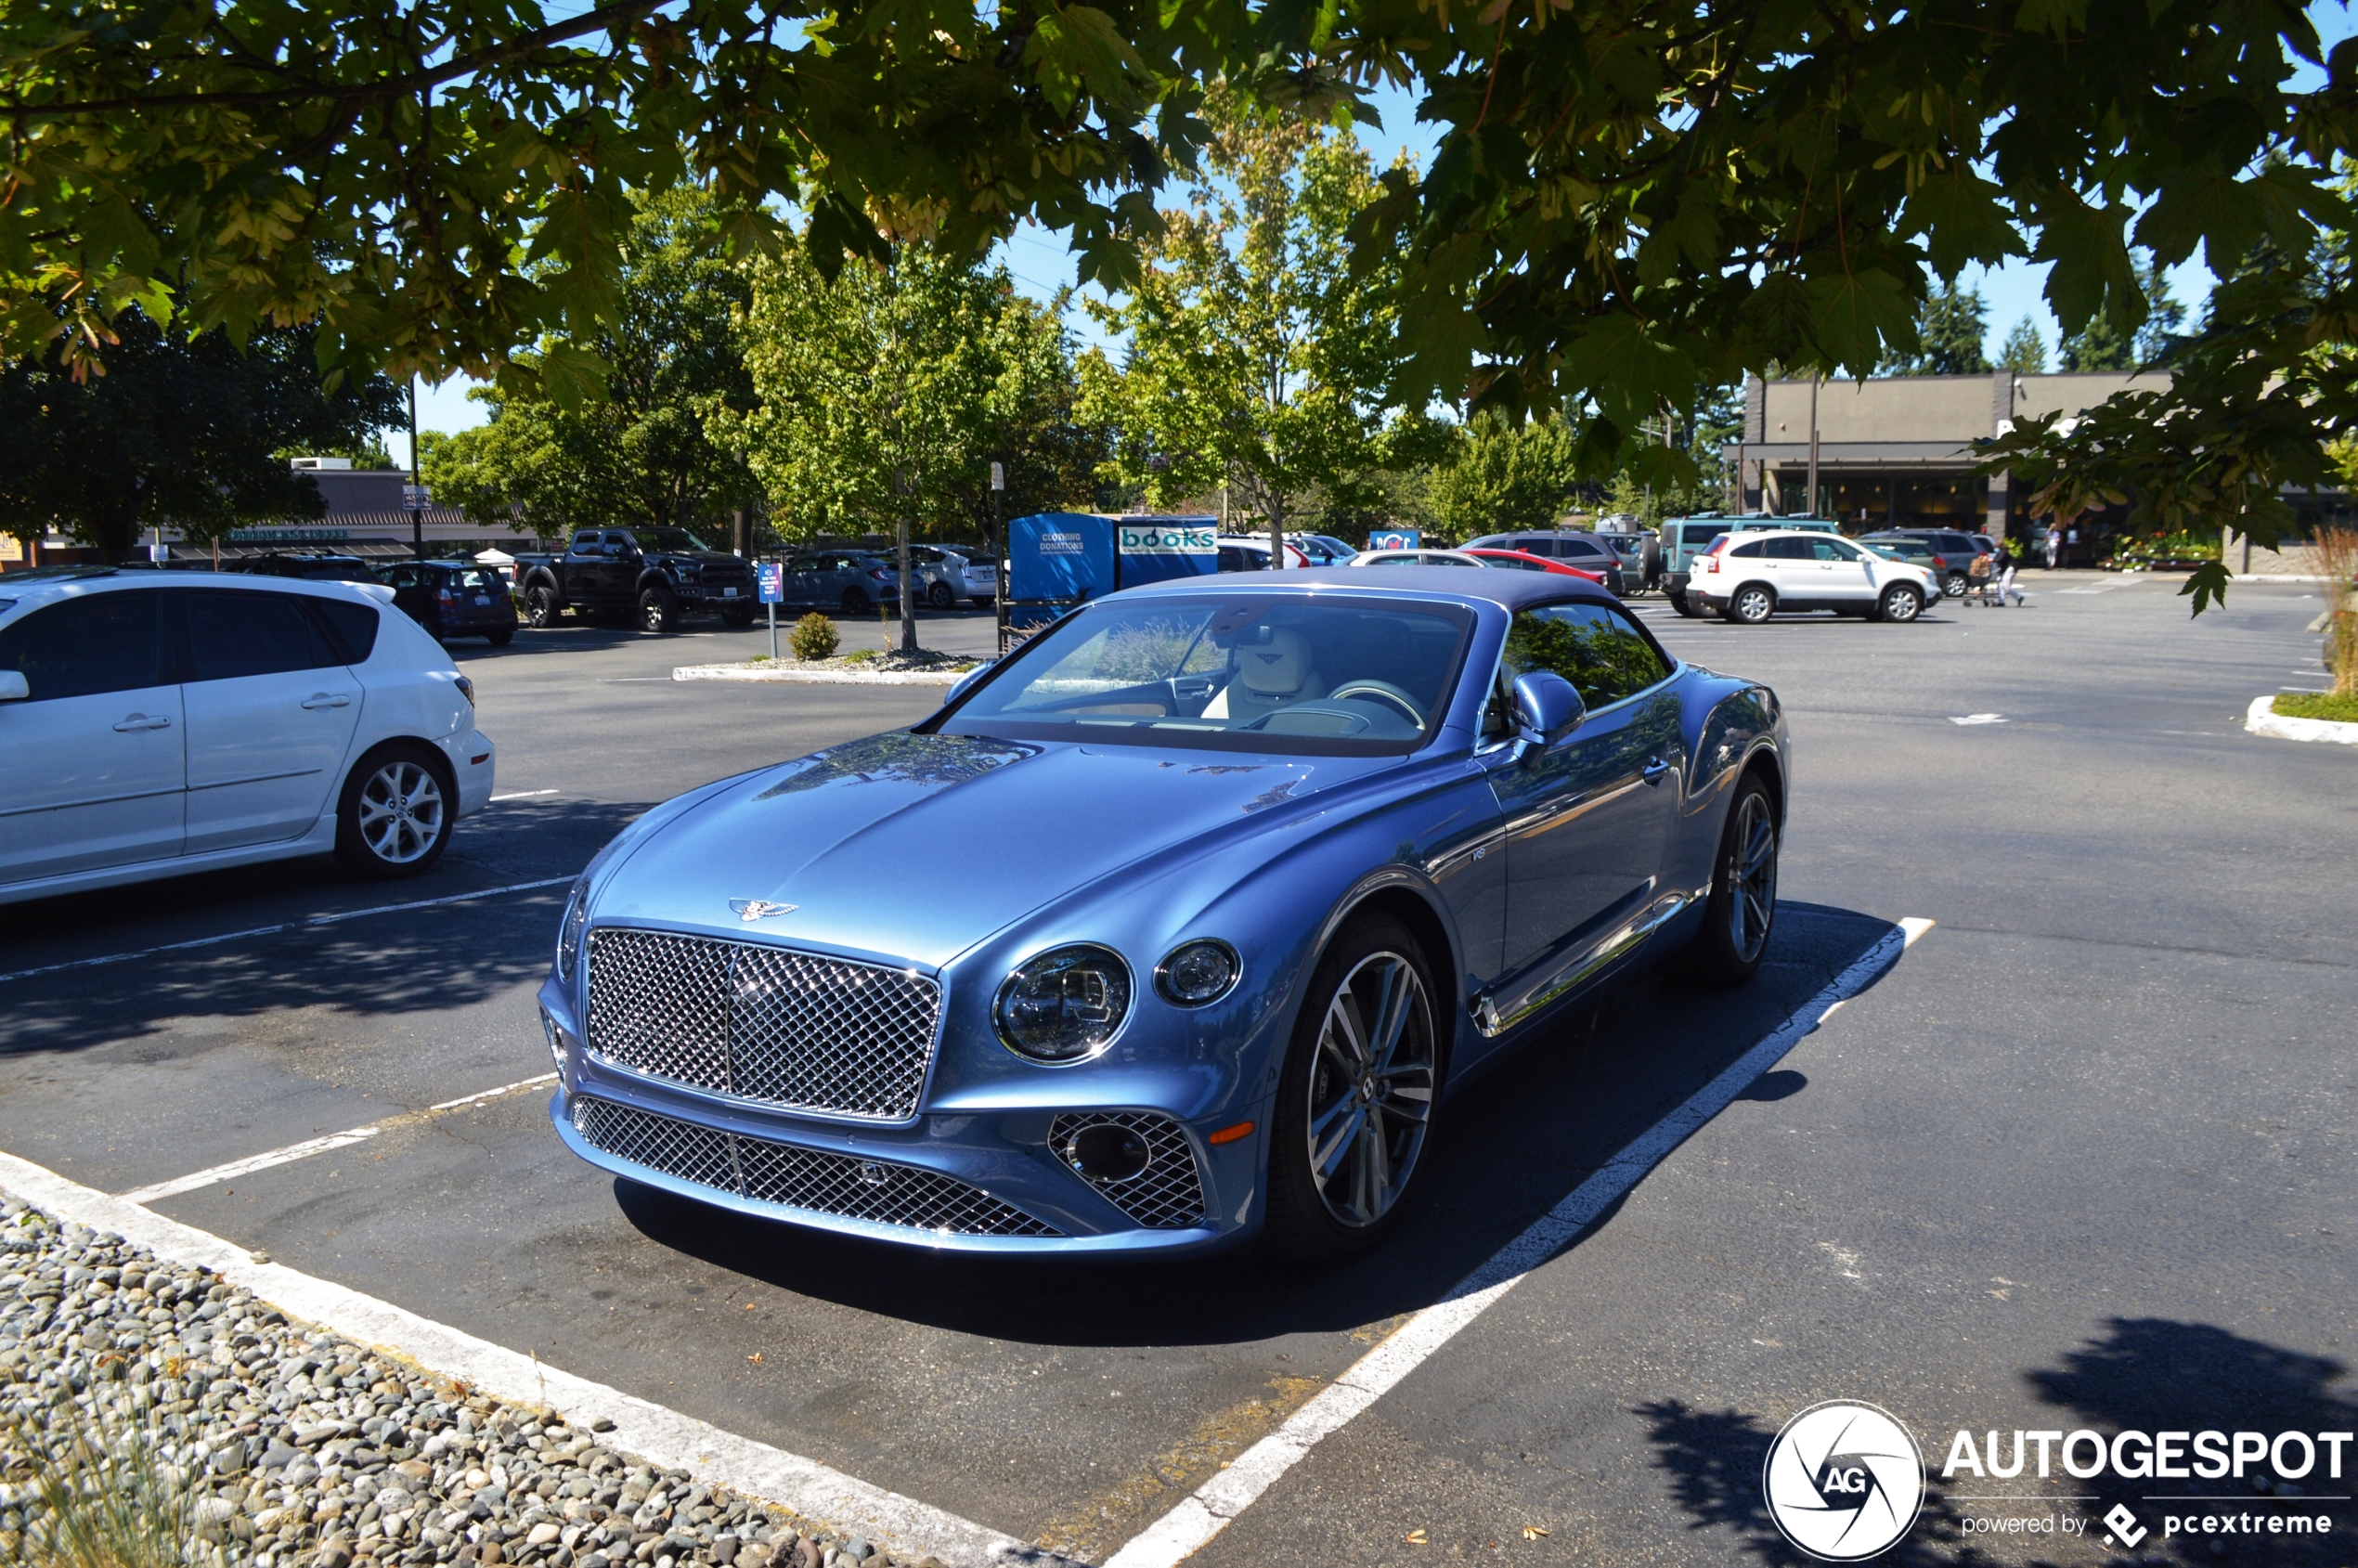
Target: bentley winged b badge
{"points": [[750, 910]]}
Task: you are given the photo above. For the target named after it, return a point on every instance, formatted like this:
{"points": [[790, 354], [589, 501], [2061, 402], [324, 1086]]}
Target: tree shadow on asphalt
{"points": [[2144, 1374], [1505, 1150], [375, 964]]}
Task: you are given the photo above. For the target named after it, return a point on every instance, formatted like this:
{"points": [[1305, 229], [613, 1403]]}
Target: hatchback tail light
{"points": [[881, 575]]}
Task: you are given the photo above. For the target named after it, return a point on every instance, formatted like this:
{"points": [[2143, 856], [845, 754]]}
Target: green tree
{"points": [[2099, 345], [2023, 352], [1501, 476], [1258, 358], [2164, 316], [180, 432], [884, 393], [1951, 327], [644, 451]]}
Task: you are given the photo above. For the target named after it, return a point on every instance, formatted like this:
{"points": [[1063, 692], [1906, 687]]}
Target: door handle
{"points": [[141, 721], [1654, 771], [328, 699]]}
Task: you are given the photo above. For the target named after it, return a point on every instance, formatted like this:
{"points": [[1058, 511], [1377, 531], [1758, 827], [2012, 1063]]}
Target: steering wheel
{"points": [[1384, 690]]}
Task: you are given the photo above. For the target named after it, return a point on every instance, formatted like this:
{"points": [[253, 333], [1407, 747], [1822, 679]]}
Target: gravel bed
{"points": [[305, 1450]]}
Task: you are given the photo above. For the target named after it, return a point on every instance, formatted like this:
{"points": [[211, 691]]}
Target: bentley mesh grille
{"points": [[1167, 1195], [875, 1190], [786, 1029]]}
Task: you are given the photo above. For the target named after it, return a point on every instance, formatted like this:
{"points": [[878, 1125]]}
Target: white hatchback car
{"points": [[1749, 577], [155, 723]]}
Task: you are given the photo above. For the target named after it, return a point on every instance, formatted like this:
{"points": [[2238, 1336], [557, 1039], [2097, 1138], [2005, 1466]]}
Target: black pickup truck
{"points": [[650, 577]]}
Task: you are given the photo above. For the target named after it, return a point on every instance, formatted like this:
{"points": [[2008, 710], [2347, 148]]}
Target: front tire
{"points": [[1752, 605], [658, 612], [1899, 604], [1356, 1097], [395, 816], [1743, 909], [737, 620]]}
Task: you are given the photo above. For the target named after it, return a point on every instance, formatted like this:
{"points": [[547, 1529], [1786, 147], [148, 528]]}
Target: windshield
{"points": [[670, 541], [1332, 675]]}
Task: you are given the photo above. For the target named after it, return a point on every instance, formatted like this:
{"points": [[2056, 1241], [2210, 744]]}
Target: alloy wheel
{"points": [[1753, 606], [1371, 1089], [1752, 878], [401, 812]]}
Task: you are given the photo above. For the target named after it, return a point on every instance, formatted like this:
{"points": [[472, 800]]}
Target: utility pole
{"points": [[997, 553], [1811, 509], [908, 591], [417, 494]]}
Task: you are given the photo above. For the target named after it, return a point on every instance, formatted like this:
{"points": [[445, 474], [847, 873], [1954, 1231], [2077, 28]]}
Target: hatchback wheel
{"points": [[658, 610], [395, 813], [940, 598], [1752, 604], [1355, 1100], [1899, 602], [856, 602], [500, 637]]}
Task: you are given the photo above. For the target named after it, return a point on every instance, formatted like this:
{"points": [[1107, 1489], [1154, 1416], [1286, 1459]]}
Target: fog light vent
{"points": [[1141, 1163]]}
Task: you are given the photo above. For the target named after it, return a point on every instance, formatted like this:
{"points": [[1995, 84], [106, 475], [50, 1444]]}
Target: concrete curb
{"points": [[817, 676], [2261, 720]]}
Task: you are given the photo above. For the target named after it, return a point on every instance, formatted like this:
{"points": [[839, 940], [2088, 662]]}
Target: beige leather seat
{"points": [[1266, 678]]}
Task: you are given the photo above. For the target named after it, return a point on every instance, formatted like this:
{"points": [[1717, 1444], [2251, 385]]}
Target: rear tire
{"points": [[1953, 587], [1899, 604], [1743, 909], [1680, 603], [737, 619], [394, 815], [1751, 605], [1356, 1097], [855, 603], [658, 612], [940, 597], [541, 608], [501, 637]]}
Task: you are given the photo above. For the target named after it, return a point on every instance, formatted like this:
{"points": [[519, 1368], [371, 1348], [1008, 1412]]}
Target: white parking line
{"points": [[641, 1428], [310, 1146], [285, 926], [1208, 1511], [522, 795]]}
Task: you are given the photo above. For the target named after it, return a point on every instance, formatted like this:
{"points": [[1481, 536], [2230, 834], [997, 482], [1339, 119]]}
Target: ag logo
{"points": [[1844, 1481]]}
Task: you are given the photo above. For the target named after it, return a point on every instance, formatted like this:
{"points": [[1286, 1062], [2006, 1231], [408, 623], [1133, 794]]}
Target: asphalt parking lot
{"points": [[2082, 1158]]}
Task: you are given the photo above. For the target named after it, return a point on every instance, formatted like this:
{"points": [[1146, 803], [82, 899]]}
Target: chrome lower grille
{"points": [[877, 1190], [1167, 1195], [786, 1029]]}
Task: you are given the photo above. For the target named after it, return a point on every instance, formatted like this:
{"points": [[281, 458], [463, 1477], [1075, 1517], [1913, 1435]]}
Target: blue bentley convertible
{"points": [[1253, 874]]}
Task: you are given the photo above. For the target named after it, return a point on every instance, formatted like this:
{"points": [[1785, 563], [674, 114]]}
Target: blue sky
{"points": [[1041, 264]]}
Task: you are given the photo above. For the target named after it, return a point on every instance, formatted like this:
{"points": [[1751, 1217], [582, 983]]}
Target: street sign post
{"points": [[771, 580]]}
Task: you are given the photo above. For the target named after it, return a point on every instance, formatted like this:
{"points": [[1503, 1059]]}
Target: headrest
{"points": [[1274, 669]]}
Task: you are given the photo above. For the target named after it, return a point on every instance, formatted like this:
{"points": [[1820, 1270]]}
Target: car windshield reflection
{"points": [[1328, 675]]}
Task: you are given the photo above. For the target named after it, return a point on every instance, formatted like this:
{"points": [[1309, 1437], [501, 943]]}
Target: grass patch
{"points": [[862, 655], [2317, 705]]}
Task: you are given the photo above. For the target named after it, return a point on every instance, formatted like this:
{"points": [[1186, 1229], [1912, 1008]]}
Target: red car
{"points": [[1523, 560]]}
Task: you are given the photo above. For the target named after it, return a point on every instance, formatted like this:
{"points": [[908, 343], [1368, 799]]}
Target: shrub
{"points": [[813, 638], [2317, 705]]}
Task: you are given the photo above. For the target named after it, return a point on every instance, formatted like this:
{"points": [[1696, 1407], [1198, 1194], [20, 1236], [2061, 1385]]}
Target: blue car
{"points": [[1257, 871]]}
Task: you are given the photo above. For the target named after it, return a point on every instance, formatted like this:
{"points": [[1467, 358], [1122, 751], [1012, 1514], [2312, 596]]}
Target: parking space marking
{"points": [[310, 1146], [651, 1432], [1209, 1509], [305, 925], [521, 794]]}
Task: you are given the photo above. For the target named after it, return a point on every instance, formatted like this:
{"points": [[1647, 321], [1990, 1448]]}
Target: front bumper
{"points": [[957, 1181]]}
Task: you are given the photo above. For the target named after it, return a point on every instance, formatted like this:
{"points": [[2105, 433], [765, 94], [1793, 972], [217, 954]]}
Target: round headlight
{"points": [[1198, 973], [1064, 1005], [577, 915]]}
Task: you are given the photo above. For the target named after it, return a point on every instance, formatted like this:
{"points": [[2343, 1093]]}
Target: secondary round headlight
{"points": [[1198, 973], [577, 915], [1066, 1003]]}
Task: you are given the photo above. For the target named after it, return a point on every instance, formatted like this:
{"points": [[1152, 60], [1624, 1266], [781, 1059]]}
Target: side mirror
{"points": [[13, 688], [958, 688], [1546, 709]]}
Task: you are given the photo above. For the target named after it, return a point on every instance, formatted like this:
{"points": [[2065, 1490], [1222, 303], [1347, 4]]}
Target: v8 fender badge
{"points": [[750, 910], [1844, 1481]]}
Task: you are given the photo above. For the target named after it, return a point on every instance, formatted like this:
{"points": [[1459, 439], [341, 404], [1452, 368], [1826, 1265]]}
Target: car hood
{"points": [[914, 848]]}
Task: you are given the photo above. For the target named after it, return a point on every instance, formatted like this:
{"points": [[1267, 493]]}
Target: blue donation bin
{"points": [[1395, 539], [1057, 560]]}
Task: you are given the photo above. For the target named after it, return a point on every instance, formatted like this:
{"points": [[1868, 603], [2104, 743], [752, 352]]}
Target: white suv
{"points": [[1749, 577], [154, 723]]}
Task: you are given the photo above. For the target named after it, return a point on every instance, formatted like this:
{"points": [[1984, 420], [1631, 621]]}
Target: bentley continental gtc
{"points": [[1255, 874]]}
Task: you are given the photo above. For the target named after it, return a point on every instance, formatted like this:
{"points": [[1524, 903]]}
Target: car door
{"points": [[271, 712], [1846, 581], [93, 762], [1587, 820]]}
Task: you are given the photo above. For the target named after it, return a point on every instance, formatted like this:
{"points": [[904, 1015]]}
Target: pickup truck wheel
{"points": [[658, 610], [737, 619], [856, 602], [540, 607], [940, 598]]}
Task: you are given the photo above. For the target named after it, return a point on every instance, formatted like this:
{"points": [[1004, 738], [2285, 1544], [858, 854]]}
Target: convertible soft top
{"points": [[1463, 585]]}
